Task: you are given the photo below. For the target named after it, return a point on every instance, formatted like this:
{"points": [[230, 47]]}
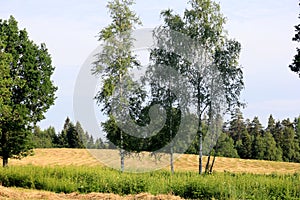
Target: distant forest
{"points": [[240, 138], [72, 136]]}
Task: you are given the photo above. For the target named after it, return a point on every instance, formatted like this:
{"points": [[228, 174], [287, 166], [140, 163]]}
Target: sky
{"points": [[264, 28]]}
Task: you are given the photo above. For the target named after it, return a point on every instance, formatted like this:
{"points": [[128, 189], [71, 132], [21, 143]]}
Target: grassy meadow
{"points": [[74, 170]]}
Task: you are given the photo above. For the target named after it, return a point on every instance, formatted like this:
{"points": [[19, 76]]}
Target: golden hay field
{"points": [[83, 157], [26, 194]]}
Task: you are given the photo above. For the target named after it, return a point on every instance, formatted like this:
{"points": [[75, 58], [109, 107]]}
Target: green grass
{"points": [[185, 184]]}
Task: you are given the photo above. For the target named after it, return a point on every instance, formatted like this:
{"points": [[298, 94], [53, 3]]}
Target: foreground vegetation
{"points": [[185, 184]]}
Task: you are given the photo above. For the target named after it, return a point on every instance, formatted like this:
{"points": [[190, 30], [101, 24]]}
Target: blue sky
{"points": [[264, 28]]}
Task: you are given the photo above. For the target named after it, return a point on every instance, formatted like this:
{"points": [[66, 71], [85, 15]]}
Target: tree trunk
{"points": [[207, 164], [122, 160], [199, 128], [122, 152], [212, 165], [200, 153], [121, 132], [200, 147], [171, 143], [172, 158], [5, 155], [170, 130], [5, 161]]}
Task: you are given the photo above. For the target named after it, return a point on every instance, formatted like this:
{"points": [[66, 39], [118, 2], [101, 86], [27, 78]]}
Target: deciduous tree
{"points": [[27, 91], [114, 62], [295, 66], [204, 24]]}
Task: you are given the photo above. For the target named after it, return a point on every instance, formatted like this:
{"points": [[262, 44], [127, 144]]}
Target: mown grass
{"points": [[185, 184], [84, 157]]}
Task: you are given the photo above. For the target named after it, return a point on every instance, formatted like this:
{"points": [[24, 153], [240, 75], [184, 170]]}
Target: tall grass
{"points": [[185, 184]]}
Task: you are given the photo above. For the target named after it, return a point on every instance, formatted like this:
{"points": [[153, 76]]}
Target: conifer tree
{"points": [[244, 145], [272, 152]]}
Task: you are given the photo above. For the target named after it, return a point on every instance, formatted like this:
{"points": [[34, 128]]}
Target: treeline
{"points": [[246, 139], [72, 136], [279, 141]]}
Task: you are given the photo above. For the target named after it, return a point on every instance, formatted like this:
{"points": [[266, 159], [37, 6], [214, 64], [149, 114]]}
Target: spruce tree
{"points": [[290, 146], [244, 145], [237, 125], [271, 124], [73, 137], [272, 152], [225, 147], [258, 144]]}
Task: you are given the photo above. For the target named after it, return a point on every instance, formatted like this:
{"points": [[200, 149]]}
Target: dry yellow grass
{"points": [[190, 163], [26, 194], [83, 157], [60, 157]]}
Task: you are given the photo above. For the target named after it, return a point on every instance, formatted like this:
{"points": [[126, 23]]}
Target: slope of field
{"points": [[83, 157]]}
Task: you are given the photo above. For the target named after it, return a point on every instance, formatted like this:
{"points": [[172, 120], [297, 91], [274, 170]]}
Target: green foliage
{"points": [[272, 152], [237, 125], [278, 142], [28, 91], [185, 184], [135, 144], [255, 128], [194, 147], [117, 57], [288, 145], [73, 137], [285, 135], [297, 127], [295, 66], [5, 84], [225, 147], [297, 136], [244, 145], [113, 65], [43, 138], [204, 23], [70, 137], [271, 125], [258, 147]]}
